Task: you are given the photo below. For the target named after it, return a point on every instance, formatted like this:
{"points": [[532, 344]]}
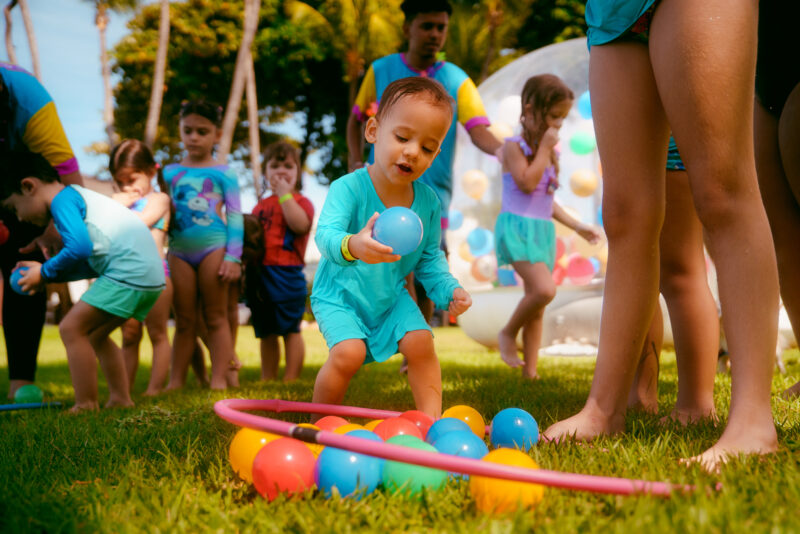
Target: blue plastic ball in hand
{"points": [[514, 428], [443, 426], [16, 274], [399, 228]]}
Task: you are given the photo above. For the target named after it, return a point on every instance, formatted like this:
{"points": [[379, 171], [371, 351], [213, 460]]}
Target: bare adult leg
{"points": [[644, 392]]}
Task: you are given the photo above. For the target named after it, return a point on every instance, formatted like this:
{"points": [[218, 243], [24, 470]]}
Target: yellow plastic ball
{"points": [[344, 429], [583, 182], [372, 424], [475, 183], [499, 496], [244, 447], [464, 253], [469, 416], [501, 130], [316, 448]]}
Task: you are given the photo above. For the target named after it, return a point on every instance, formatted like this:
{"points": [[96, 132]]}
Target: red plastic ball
{"points": [[4, 233], [395, 426], [331, 422], [285, 465], [421, 419]]}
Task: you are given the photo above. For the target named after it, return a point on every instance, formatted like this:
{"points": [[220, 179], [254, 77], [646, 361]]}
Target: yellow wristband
{"points": [[284, 198], [346, 249]]}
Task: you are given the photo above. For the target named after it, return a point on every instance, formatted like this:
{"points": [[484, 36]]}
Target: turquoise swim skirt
{"points": [[119, 300], [519, 238]]}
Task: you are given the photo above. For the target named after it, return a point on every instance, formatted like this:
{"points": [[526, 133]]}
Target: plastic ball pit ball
{"points": [[403, 477], [316, 448], [28, 394], [350, 473], [470, 416], [283, 466], [399, 228], [421, 419], [394, 426], [496, 495], [244, 447], [331, 422], [443, 426], [462, 443], [16, 274], [514, 428]]}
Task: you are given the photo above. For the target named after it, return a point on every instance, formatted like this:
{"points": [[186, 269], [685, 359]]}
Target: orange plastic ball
{"points": [[372, 424], [499, 496], [469, 416]]}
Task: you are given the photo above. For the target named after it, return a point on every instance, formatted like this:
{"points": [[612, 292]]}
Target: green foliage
{"points": [[552, 21], [162, 466], [289, 63]]}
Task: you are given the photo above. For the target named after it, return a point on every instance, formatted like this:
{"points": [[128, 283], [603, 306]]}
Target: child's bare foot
{"points": [[586, 425], [219, 383], [689, 416], [762, 440], [792, 392], [86, 406], [232, 374], [119, 402], [508, 350], [530, 375], [152, 392]]}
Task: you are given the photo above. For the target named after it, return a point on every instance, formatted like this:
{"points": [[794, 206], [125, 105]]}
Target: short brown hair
{"points": [[418, 86], [281, 151]]}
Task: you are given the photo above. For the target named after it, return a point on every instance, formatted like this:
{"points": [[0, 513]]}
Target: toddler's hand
{"points": [[550, 138], [363, 247], [230, 271], [285, 184], [126, 198], [31, 281], [589, 233], [461, 301]]}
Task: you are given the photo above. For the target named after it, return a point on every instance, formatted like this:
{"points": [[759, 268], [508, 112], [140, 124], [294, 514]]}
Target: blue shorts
{"points": [[119, 300], [276, 297]]}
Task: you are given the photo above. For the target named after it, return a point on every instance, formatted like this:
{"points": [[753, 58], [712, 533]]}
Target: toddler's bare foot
{"points": [[152, 392], [530, 375], [85, 406], [585, 425], [734, 441], [688, 416], [508, 350], [232, 375], [119, 402], [219, 383], [792, 392]]}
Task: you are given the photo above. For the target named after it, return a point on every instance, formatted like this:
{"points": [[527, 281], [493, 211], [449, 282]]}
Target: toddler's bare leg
{"points": [[424, 373], [344, 360], [295, 354], [270, 357]]}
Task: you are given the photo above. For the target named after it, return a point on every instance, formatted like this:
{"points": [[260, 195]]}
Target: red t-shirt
{"points": [[283, 247]]}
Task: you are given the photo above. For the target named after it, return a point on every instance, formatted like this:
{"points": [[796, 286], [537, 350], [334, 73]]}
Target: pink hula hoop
{"points": [[231, 411]]}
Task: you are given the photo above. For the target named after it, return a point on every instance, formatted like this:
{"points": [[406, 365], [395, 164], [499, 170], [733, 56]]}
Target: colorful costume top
{"points": [[469, 111], [29, 120], [608, 19], [537, 204], [282, 246], [200, 226], [139, 206], [102, 237]]}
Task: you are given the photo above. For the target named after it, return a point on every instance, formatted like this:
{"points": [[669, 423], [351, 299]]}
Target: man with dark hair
{"points": [[28, 122], [425, 28]]}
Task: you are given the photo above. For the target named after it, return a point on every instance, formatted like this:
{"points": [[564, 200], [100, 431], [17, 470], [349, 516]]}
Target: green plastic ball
{"points": [[582, 143], [403, 477], [28, 394]]}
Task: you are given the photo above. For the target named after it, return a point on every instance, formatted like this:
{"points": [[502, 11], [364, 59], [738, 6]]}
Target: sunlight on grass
{"points": [[162, 466]]}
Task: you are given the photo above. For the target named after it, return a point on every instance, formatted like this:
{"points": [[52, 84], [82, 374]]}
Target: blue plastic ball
{"points": [[351, 473], [462, 443], [454, 220], [514, 428], [16, 274], [585, 105], [480, 241], [399, 228], [443, 426]]}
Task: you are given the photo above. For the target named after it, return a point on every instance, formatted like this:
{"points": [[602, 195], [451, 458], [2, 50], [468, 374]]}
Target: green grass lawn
{"points": [[162, 466]]}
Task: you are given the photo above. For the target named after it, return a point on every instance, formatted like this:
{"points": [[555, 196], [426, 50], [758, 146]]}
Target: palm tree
{"points": [[255, 131], [359, 30], [26, 19], [102, 8], [252, 9], [157, 90]]}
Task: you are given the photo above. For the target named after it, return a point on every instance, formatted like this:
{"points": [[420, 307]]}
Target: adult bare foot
{"points": [[792, 392], [586, 425], [508, 350], [733, 442]]}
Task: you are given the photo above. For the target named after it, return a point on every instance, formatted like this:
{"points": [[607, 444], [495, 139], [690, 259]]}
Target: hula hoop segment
{"points": [[231, 410], [28, 406]]}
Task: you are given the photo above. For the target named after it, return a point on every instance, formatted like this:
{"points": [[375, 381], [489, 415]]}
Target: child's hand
{"points": [[550, 138], [589, 233], [363, 247], [285, 184], [31, 281], [126, 198], [230, 271], [461, 301]]}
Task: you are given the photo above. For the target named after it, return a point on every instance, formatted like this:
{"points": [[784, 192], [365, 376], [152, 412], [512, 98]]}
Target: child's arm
{"points": [[68, 209], [586, 231], [296, 215], [231, 270], [156, 208], [527, 175], [127, 199], [336, 238], [432, 270]]}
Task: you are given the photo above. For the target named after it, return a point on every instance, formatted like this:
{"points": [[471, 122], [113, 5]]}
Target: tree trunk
{"points": [[101, 21], [12, 54], [251, 12], [157, 90], [252, 119], [26, 19]]}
